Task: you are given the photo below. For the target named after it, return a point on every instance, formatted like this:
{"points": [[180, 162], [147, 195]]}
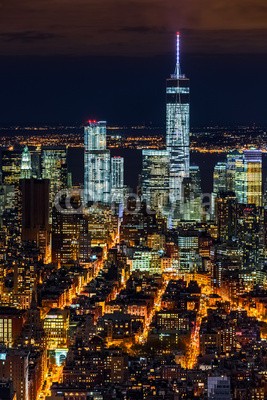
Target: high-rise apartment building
{"points": [[71, 239], [14, 364], [96, 163], [250, 235], [226, 215], [177, 136]]}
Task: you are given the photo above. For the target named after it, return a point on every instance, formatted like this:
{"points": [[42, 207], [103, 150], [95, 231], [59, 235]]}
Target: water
{"points": [[133, 165]]}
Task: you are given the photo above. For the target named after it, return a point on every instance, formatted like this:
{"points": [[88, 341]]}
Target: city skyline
{"points": [[133, 256]]}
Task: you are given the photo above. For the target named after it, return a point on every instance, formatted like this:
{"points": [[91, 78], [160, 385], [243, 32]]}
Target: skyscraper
{"points": [[226, 215], [70, 235], [253, 159], [54, 168], [11, 164], [243, 176], [11, 171], [14, 363], [219, 183], [236, 175], [35, 214], [26, 168], [96, 163], [219, 178], [177, 135], [117, 179], [155, 178], [191, 209]]}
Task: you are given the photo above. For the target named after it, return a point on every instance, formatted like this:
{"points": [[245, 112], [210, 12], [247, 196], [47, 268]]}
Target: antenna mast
{"points": [[177, 70]]}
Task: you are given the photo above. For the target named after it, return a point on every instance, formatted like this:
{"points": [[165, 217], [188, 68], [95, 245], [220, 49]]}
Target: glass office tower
{"points": [[253, 160], [96, 164], [117, 179], [177, 139], [155, 178]]}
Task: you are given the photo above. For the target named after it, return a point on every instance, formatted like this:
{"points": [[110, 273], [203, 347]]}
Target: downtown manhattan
{"points": [[155, 292]]}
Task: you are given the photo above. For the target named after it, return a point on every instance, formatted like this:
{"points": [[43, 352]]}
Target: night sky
{"points": [[63, 61]]}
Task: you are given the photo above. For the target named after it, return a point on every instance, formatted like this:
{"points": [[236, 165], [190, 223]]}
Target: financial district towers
{"points": [[103, 175], [165, 174], [164, 171]]}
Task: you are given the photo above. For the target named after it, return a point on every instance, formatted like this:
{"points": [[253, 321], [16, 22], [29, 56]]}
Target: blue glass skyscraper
{"points": [[177, 135]]}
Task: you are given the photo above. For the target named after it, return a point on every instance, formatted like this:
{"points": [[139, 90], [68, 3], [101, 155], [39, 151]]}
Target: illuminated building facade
{"points": [[177, 136], [253, 159], [188, 251], [191, 209], [56, 325], [250, 235], [102, 225], [97, 183], [117, 179], [54, 168], [11, 324], [117, 172], [243, 176], [219, 178], [236, 176], [11, 173], [11, 164], [14, 363], [226, 215], [219, 388], [137, 223], [146, 260], [26, 168], [70, 237], [155, 178]]}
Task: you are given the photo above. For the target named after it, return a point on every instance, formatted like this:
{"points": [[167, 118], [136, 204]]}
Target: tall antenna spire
{"points": [[177, 69]]}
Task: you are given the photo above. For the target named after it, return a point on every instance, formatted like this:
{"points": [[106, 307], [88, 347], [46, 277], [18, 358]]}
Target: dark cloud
{"points": [[27, 36], [144, 29], [84, 27]]}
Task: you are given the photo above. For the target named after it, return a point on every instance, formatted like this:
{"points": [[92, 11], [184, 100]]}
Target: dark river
{"points": [[133, 165]]}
